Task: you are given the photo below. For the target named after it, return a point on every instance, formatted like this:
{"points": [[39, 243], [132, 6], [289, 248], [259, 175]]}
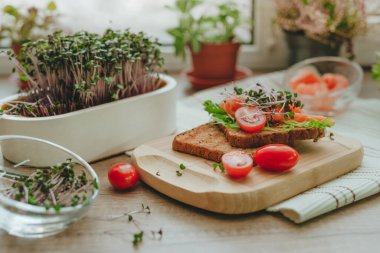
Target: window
{"points": [[149, 16], [263, 46]]}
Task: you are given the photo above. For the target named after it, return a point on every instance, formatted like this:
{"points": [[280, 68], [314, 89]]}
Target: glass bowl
{"points": [[333, 102], [33, 221]]}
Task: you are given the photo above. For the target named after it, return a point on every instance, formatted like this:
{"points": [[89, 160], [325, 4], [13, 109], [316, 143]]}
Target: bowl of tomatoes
{"points": [[326, 85]]}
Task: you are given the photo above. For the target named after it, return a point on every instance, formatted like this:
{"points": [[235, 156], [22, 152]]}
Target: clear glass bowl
{"points": [[25, 220], [334, 102]]}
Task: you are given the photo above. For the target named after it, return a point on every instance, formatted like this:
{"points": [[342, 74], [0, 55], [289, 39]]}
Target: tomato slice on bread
{"points": [[250, 119], [237, 163], [231, 105]]}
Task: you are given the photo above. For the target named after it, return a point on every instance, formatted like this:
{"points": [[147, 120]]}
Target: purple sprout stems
{"points": [[70, 73]]}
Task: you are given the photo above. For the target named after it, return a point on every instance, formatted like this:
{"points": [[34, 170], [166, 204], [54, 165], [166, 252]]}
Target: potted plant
{"points": [[210, 38], [318, 28], [20, 25], [96, 95]]}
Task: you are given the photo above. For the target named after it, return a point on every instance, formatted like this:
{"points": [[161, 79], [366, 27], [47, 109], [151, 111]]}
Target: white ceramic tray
{"points": [[100, 131]]}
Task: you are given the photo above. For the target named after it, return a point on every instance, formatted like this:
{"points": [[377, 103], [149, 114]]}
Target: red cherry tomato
{"points": [[122, 176], [230, 105], [237, 163], [277, 157], [250, 119]]}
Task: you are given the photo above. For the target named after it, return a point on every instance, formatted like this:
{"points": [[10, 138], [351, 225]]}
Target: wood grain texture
{"points": [[202, 187], [352, 229]]}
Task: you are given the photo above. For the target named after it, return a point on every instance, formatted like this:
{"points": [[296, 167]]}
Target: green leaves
{"points": [[219, 116], [193, 32], [11, 10], [289, 125], [85, 69], [376, 71], [27, 23], [179, 172], [137, 238], [51, 6]]}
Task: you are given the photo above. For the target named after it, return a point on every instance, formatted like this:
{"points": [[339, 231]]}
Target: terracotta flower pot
{"points": [[16, 47], [215, 61]]}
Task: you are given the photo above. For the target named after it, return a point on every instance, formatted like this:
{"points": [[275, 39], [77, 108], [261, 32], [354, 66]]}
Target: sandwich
{"points": [[248, 119]]}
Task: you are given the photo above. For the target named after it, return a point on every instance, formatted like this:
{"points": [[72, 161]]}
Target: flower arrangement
{"points": [[73, 72], [330, 22], [20, 25]]}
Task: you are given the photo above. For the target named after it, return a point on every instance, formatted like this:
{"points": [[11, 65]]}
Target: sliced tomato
{"points": [[231, 105], [304, 76], [301, 117], [277, 116], [277, 157], [250, 119], [295, 109], [335, 81], [237, 164], [319, 88]]}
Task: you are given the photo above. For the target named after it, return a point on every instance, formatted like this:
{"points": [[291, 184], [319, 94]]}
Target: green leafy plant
{"points": [[376, 70], [193, 31], [73, 72], [20, 25]]}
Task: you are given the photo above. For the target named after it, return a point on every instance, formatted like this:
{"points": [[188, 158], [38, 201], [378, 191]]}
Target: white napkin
{"points": [[361, 121]]}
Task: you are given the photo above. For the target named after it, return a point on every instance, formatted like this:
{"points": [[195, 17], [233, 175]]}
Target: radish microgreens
{"points": [[74, 72]]}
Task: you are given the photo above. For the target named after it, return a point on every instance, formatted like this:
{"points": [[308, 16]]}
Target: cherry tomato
{"points": [[123, 176], [231, 105], [250, 119], [277, 157], [237, 163]]}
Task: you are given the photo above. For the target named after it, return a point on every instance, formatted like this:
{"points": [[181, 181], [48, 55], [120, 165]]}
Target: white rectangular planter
{"points": [[102, 130]]}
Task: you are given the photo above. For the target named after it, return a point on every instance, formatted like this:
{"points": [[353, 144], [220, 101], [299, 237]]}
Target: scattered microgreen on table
{"points": [[179, 172], [138, 236]]}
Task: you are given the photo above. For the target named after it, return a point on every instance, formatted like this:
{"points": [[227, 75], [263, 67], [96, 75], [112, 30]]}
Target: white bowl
{"points": [[100, 131]]}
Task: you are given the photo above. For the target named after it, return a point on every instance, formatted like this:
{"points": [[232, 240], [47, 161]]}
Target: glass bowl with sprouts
{"points": [[43, 190]]}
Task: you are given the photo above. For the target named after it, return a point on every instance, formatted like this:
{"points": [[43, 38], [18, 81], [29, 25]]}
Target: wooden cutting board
{"points": [[202, 187]]}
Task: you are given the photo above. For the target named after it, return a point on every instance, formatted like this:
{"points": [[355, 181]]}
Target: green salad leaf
{"points": [[219, 116], [289, 125]]}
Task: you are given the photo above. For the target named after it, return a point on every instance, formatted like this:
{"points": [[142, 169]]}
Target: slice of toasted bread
{"points": [[205, 141], [241, 139]]}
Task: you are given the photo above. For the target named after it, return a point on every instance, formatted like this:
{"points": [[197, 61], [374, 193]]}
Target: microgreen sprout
{"points": [[138, 236], [219, 166], [269, 102], [74, 72], [55, 188], [179, 172]]}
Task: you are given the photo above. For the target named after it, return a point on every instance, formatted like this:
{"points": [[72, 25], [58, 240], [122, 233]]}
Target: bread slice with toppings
{"points": [[211, 141], [206, 141], [240, 139]]}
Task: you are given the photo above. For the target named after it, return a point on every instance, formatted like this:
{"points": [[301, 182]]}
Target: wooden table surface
{"points": [[355, 228]]}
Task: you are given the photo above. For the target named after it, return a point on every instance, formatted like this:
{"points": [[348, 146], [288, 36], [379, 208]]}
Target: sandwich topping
{"points": [[260, 109]]}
